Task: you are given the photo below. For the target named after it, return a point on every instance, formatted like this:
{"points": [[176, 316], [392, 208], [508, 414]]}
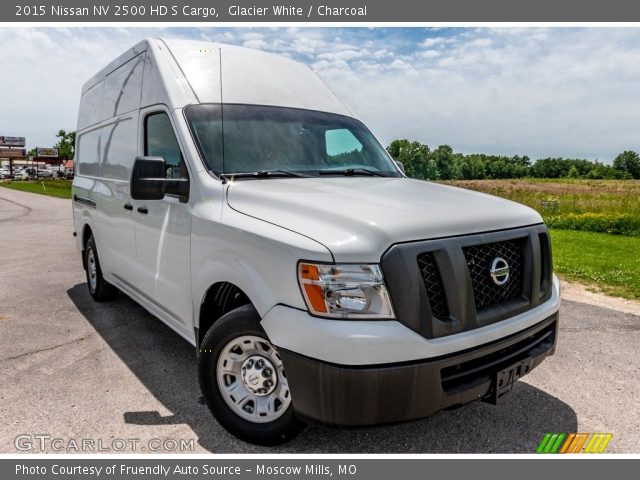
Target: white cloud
{"points": [[541, 92], [435, 41]]}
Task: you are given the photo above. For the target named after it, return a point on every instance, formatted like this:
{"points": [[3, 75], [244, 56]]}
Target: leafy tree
{"points": [[443, 163], [66, 144], [607, 172], [573, 172], [443, 156], [628, 161], [414, 156], [469, 167], [559, 167]]}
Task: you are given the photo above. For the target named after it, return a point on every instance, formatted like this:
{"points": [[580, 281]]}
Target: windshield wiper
{"points": [[262, 174], [352, 172]]}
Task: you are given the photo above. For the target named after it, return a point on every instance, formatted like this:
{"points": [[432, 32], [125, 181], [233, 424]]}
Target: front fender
{"points": [[258, 257]]}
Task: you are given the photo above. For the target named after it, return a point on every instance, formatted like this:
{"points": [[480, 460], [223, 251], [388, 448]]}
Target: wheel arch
{"points": [[219, 299], [244, 281]]}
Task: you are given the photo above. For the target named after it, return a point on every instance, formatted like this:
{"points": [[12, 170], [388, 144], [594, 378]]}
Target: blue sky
{"points": [[572, 92]]}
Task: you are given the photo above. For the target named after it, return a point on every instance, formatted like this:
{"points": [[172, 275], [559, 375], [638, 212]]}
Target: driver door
{"points": [[163, 228]]}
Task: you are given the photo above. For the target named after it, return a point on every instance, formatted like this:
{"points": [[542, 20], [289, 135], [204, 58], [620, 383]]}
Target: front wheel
{"points": [[243, 380]]}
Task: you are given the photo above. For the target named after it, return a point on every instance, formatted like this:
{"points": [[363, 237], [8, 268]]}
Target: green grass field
{"points": [[565, 196], [54, 188], [610, 263], [606, 206]]}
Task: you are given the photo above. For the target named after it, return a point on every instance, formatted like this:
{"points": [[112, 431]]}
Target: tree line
{"points": [[443, 163]]}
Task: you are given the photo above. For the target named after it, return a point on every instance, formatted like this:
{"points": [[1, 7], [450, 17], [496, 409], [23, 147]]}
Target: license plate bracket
{"points": [[503, 380]]}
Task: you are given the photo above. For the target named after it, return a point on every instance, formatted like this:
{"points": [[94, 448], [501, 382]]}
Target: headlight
{"points": [[345, 290]]}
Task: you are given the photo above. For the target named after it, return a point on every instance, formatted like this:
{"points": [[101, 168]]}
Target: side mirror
{"points": [[400, 166], [149, 182]]}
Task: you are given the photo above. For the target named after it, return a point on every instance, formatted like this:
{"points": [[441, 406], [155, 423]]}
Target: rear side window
{"points": [[161, 141]]}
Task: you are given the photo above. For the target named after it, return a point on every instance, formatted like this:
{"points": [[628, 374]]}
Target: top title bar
{"points": [[352, 11]]}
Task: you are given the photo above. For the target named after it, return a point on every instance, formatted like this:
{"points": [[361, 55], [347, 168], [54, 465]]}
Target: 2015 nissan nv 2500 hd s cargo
{"points": [[230, 193]]}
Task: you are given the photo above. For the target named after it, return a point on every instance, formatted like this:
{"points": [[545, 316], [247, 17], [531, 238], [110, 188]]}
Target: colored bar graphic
{"points": [[543, 443], [598, 443], [556, 442], [550, 443], [580, 443], [606, 441], [567, 443]]}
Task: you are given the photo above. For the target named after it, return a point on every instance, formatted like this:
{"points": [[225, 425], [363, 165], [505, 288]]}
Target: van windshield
{"points": [[253, 138]]}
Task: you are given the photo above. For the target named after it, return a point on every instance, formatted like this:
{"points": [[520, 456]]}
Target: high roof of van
{"points": [[182, 72]]}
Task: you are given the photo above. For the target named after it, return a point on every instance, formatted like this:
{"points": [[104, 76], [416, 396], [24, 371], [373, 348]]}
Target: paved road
{"points": [[72, 368]]}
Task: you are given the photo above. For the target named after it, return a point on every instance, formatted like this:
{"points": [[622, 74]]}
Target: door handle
{"points": [[128, 206], [143, 210]]}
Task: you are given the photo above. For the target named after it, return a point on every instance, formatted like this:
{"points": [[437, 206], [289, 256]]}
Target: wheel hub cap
{"points": [[258, 375], [251, 379]]}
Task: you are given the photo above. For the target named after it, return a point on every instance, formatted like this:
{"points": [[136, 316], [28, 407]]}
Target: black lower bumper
{"points": [[369, 395]]}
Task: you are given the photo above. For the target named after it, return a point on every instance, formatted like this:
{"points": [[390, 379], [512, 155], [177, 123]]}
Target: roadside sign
{"points": [[46, 152], [12, 153], [12, 141]]}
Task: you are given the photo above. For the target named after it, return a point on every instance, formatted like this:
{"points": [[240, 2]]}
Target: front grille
{"points": [[444, 286], [433, 283], [480, 258]]}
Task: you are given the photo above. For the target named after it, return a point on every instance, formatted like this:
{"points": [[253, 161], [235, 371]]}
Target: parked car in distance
{"points": [[316, 281]]}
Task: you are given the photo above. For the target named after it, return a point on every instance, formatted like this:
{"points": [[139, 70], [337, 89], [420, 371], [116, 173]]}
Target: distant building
{"points": [[68, 167]]}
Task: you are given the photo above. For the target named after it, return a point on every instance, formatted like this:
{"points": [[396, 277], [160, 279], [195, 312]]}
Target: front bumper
{"points": [[377, 342], [368, 395]]}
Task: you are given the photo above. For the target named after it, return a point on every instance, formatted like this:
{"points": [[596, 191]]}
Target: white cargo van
{"points": [[236, 198]]}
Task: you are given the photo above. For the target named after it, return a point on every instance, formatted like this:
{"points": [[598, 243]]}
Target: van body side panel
{"points": [[123, 87], [107, 147], [258, 257], [90, 107], [83, 212], [105, 158], [134, 51]]}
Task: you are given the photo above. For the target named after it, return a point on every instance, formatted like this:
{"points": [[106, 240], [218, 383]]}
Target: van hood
{"points": [[358, 218]]}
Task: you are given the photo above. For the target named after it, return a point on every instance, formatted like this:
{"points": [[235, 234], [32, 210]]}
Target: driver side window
{"points": [[161, 141]]}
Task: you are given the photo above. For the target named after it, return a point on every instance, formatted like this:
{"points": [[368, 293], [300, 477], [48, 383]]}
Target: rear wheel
{"points": [[99, 288], [243, 380]]}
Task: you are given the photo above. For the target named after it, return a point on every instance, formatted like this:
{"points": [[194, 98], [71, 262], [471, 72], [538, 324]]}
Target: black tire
{"points": [[240, 322], [99, 288]]}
